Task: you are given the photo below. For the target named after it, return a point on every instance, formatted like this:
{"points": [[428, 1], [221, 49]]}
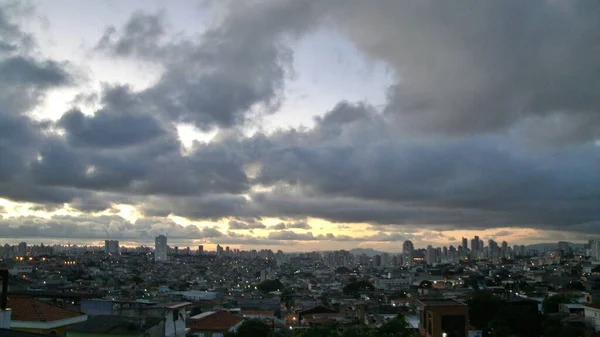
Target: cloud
{"points": [[293, 236], [468, 68], [217, 79], [474, 89], [294, 225], [113, 126], [239, 225]]}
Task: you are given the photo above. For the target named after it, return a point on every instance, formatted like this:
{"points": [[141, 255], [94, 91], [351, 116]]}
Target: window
{"points": [[217, 334], [200, 334]]}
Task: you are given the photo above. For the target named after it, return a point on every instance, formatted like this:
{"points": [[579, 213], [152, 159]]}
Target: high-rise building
{"points": [[111, 247], [160, 248], [465, 243], [475, 247], [200, 250], [504, 250], [22, 249], [430, 257], [407, 253], [595, 249], [219, 250]]}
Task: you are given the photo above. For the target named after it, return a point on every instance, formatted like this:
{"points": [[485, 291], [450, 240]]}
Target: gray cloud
{"points": [[239, 225], [478, 67], [445, 153], [294, 225], [215, 80]]}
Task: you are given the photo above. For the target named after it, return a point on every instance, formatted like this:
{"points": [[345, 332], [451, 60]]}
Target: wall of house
{"points": [[59, 331], [436, 319], [95, 334], [592, 316], [208, 333]]}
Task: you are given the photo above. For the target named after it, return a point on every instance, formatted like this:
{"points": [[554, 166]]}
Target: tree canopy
{"points": [[551, 304], [357, 287], [270, 285]]}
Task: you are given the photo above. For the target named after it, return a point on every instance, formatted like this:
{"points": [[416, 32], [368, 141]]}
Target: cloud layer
{"points": [[493, 121]]}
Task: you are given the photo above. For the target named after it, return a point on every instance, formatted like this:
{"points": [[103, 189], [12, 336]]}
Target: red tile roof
{"points": [[219, 321], [29, 309]]}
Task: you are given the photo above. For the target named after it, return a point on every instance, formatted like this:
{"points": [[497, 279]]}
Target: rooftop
{"points": [[14, 333], [115, 324], [441, 302], [218, 321], [29, 309]]}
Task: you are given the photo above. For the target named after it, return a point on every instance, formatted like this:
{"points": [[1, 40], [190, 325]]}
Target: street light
{"points": [[444, 334]]}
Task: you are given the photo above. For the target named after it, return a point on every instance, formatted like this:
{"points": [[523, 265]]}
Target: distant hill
{"points": [[367, 251]]}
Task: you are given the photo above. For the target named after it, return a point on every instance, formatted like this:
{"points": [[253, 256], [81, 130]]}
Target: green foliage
{"points": [[552, 303], [397, 327], [355, 288], [318, 331], [270, 285], [252, 328], [342, 270], [482, 308], [502, 318], [577, 285], [137, 280]]}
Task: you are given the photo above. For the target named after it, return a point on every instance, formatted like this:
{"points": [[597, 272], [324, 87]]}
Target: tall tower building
{"points": [[595, 247], [111, 247], [200, 250], [22, 249], [475, 247], [504, 250], [431, 259], [465, 244], [160, 248], [407, 253]]}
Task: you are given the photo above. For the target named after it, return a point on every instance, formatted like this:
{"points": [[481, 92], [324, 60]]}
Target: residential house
{"points": [[592, 315], [33, 315], [121, 326], [214, 324], [443, 317]]}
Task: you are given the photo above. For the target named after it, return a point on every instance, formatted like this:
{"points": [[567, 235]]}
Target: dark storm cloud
{"points": [[483, 66], [215, 80], [493, 75], [121, 122]]}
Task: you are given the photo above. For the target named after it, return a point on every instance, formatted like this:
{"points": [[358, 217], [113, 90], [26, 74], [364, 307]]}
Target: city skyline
{"points": [[115, 246], [299, 125]]}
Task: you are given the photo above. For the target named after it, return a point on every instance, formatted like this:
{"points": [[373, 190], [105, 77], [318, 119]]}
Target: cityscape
{"points": [[300, 168], [299, 294]]}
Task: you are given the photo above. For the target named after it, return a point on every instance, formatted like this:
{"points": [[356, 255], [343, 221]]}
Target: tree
{"points": [[397, 327], [342, 270], [252, 328], [355, 288], [270, 285], [137, 280], [483, 307], [551, 304], [330, 330]]}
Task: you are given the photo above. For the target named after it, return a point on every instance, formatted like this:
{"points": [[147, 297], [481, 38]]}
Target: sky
{"points": [[299, 124]]}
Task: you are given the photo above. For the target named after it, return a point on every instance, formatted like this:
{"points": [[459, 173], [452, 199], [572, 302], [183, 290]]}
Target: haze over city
{"points": [[299, 125]]}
